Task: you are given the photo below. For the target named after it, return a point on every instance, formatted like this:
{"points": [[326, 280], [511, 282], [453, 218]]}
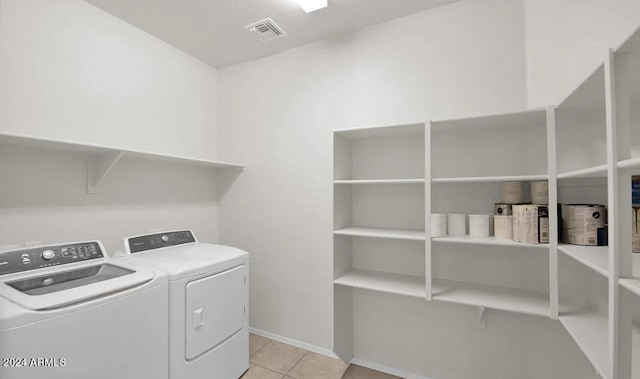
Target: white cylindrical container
{"points": [[503, 227], [457, 224], [438, 225], [512, 192], [479, 225], [540, 192]]}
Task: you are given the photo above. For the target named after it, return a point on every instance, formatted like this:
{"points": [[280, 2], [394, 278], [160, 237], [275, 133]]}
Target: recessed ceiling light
{"points": [[312, 5]]}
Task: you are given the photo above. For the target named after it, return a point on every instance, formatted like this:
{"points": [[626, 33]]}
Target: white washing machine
{"points": [[208, 302], [69, 311]]}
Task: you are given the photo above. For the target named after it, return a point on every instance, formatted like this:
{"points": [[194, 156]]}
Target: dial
{"points": [[48, 254], [164, 238]]}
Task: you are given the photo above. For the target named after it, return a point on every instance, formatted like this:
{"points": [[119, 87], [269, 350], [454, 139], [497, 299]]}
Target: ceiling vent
{"points": [[266, 30]]}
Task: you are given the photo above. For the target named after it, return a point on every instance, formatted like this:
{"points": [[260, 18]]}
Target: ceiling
{"points": [[213, 30]]}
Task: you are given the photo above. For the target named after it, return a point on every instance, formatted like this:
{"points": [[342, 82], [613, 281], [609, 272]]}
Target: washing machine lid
{"points": [[186, 261], [63, 286]]}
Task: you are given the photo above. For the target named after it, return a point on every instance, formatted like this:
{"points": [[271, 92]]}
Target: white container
{"points": [[540, 192], [438, 225], [479, 225], [503, 226], [512, 192], [457, 224]]}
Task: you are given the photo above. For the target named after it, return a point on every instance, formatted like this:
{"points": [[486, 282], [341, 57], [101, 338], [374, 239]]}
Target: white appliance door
{"points": [[215, 310]]}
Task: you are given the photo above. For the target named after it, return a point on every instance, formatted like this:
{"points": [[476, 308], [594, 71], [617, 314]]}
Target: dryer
{"points": [[69, 311], [208, 302]]}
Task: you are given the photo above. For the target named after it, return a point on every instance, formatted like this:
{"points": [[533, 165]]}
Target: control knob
{"points": [[48, 254], [165, 238]]}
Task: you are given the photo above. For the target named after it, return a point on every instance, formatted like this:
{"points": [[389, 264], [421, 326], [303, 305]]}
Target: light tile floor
{"points": [[276, 360]]}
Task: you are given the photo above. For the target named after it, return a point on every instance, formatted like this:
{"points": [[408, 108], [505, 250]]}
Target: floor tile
{"points": [[316, 366], [359, 372], [256, 343], [278, 357], [257, 372]]}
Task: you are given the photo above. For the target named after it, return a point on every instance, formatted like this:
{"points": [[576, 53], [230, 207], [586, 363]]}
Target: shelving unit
{"points": [[467, 176], [587, 148], [379, 219], [102, 159]]}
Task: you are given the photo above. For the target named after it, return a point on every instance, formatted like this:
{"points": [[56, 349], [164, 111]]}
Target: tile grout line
{"points": [[256, 352], [292, 367]]}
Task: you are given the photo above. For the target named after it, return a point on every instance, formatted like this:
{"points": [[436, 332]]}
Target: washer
{"points": [[208, 302], [70, 311]]}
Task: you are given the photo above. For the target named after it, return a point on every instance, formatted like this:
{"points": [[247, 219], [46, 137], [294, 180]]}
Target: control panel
{"points": [[47, 256], [156, 241]]}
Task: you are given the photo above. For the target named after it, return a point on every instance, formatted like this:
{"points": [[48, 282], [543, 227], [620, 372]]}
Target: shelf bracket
{"points": [[98, 168], [482, 317]]}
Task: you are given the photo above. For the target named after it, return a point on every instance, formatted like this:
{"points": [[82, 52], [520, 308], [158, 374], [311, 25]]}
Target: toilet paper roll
{"points": [[457, 224], [479, 225], [512, 192], [503, 226], [438, 225], [540, 192]]}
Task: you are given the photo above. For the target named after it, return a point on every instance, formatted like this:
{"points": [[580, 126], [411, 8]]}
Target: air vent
{"points": [[266, 30]]}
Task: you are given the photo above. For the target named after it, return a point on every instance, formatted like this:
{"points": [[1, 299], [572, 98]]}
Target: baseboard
{"points": [[386, 369], [331, 354], [296, 343]]}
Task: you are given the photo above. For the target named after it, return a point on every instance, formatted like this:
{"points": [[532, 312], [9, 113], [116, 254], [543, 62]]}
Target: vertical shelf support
{"points": [[482, 317], [552, 169], [427, 205], [619, 193], [98, 168]]}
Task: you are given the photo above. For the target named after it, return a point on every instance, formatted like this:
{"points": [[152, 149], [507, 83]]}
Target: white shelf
{"points": [[488, 179], [102, 159], [399, 234], [590, 331], [384, 282], [630, 164], [510, 119], [591, 172], [594, 257], [492, 297], [632, 285], [380, 181], [87, 148], [382, 131], [487, 241]]}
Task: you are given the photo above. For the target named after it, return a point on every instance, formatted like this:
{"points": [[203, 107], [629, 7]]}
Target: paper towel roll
{"points": [[438, 225], [479, 225], [512, 192], [457, 224]]}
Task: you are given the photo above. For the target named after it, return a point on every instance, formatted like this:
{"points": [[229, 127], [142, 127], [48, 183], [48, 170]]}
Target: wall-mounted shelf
{"points": [[594, 257], [491, 241], [632, 285], [490, 179], [398, 234], [102, 159], [589, 330], [591, 172], [629, 164], [492, 297], [404, 285], [381, 181]]}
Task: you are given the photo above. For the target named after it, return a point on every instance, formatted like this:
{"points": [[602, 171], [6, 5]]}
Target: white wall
{"points": [[277, 113], [72, 71], [68, 70], [567, 40]]}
